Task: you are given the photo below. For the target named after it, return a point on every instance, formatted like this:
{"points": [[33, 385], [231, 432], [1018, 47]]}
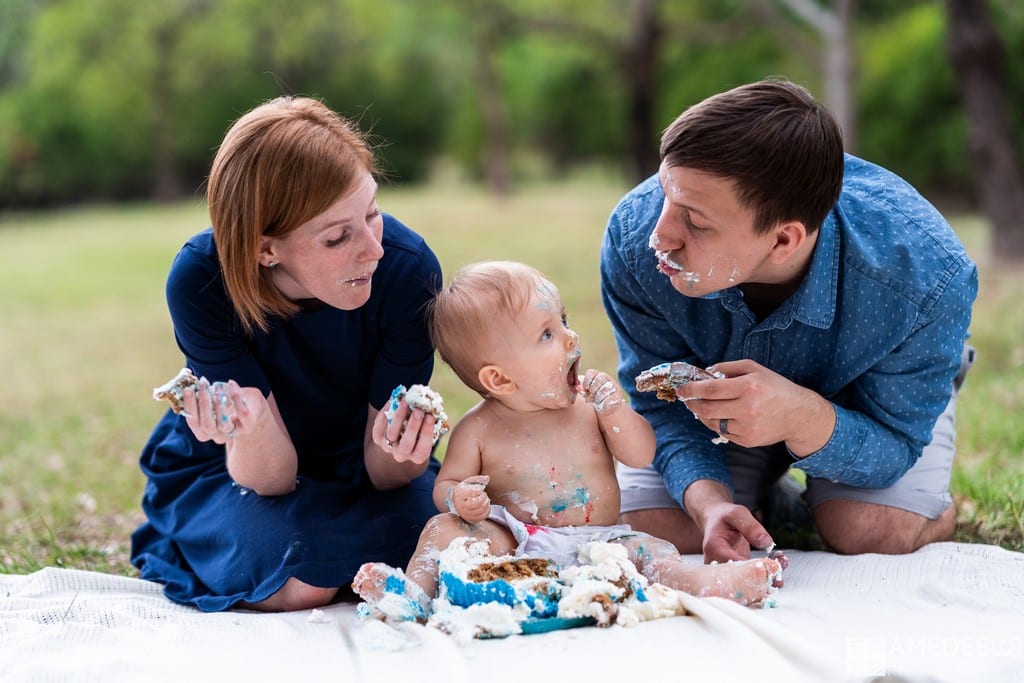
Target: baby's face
{"points": [[542, 353]]}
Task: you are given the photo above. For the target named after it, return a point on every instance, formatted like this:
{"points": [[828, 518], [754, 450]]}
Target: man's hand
{"points": [[729, 529], [759, 407], [729, 532]]}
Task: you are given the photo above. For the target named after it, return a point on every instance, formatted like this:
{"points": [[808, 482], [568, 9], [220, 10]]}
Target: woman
{"points": [[300, 309]]}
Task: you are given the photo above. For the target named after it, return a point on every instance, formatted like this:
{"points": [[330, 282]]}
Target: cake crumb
{"points": [[317, 616]]}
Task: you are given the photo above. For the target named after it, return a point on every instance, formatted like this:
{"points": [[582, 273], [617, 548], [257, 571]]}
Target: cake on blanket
{"points": [[481, 595], [666, 378], [423, 398]]}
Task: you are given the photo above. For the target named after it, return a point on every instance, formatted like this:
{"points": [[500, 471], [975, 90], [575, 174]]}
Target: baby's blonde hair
{"points": [[465, 313]]}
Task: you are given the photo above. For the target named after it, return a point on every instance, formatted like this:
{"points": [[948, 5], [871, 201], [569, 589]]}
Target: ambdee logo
{"points": [[876, 655]]}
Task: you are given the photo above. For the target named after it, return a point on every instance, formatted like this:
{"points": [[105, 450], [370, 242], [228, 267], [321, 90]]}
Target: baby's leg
{"points": [[404, 596], [748, 582]]}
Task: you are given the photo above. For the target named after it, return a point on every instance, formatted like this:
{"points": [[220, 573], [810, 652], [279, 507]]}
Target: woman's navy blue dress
{"points": [[213, 543]]}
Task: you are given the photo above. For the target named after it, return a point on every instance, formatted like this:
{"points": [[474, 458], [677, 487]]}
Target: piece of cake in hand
{"points": [[666, 378], [420, 397], [174, 390]]}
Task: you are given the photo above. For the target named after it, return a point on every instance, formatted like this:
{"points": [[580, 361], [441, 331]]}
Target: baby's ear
{"points": [[495, 381]]}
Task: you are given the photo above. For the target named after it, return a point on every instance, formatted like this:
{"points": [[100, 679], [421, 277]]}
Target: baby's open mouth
{"points": [[573, 377]]}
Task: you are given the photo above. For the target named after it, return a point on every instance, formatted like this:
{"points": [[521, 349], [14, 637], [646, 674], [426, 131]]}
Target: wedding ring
{"points": [[388, 442], [723, 427]]}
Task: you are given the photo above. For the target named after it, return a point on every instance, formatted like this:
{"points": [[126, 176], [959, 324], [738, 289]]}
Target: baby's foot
{"points": [[390, 593], [749, 582]]}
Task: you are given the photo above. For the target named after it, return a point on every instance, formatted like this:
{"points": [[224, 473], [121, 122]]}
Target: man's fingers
{"points": [[751, 529]]}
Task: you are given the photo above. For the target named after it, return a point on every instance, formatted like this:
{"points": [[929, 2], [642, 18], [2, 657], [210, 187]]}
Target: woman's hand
{"points": [[395, 455], [408, 436], [221, 411]]}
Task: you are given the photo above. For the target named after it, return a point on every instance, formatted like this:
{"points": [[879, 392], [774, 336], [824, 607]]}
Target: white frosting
{"points": [[606, 586], [420, 397]]}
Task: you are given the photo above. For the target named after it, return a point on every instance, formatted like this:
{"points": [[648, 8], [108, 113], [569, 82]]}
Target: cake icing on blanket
{"points": [[424, 398], [481, 595]]}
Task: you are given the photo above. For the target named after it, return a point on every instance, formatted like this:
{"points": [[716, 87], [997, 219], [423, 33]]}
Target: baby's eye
{"points": [[565, 320], [546, 334]]}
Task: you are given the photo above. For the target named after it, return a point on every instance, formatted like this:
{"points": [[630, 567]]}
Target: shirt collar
{"points": [[814, 302]]}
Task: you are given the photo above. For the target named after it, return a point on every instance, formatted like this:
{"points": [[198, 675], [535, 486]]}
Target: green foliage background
{"points": [[104, 99]]}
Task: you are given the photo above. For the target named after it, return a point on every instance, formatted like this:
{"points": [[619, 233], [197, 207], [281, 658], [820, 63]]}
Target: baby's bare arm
{"points": [[629, 437], [460, 486]]}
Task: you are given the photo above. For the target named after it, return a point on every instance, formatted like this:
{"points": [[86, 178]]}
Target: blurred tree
{"points": [[634, 45], [911, 118], [979, 58], [489, 29], [119, 99], [834, 25], [168, 29]]}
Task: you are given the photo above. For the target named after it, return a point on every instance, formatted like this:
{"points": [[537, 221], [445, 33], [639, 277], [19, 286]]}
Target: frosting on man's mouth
{"points": [[667, 265]]}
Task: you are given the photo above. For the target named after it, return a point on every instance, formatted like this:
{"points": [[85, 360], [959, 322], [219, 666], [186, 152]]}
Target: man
{"points": [[834, 299]]}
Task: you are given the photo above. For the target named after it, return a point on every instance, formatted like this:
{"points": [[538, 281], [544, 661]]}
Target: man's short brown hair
{"points": [[782, 150]]}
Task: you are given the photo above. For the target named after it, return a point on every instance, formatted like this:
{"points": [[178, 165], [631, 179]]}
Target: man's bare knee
{"points": [[853, 528]]}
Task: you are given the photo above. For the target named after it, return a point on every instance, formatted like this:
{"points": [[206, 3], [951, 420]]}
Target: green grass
{"points": [[85, 337]]}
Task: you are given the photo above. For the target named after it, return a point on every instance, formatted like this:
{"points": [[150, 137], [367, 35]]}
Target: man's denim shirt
{"points": [[877, 327]]}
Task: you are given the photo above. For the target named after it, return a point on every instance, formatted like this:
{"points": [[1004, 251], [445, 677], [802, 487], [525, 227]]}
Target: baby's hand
{"points": [[469, 500], [601, 390]]}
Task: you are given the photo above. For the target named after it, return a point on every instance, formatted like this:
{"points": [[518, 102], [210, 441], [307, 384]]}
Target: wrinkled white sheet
{"points": [[950, 612]]}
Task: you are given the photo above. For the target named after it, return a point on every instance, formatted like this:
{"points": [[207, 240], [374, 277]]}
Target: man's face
{"points": [[704, 239]]}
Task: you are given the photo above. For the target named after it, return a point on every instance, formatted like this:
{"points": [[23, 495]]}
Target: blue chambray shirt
{"points": [[877, 327]]}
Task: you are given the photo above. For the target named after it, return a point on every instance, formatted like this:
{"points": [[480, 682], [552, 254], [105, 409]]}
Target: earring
{"points": [[272, 264]]}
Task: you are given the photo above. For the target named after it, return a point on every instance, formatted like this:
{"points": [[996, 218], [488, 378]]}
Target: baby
{"points": [[531, 468]]}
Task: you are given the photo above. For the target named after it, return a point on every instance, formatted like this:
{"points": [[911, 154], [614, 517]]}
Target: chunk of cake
{"points": [[420, 397], [174, 390], [666, 378]]}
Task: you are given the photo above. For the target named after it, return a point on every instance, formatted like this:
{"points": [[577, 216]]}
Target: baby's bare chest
{"points": [[554, 476]]}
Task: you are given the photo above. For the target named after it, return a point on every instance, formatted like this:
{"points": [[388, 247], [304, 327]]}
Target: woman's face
{"points": [[332, 256]]}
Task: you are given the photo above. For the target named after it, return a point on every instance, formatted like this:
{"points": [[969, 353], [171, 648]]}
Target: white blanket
{"points": [[950, 612]]}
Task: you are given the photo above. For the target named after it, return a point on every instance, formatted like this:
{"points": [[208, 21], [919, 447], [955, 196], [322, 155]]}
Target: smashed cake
{"points": [[420, 397], [666, 378], [481, 595]]}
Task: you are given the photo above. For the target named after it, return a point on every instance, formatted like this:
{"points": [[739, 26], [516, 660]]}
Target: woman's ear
{"points": [[495, 381], [267, 256], [789, 237]]}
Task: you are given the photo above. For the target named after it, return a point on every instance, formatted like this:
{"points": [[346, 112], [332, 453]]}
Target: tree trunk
{"points": [[166, 182], [640, 63], [487, 37], [839, 73], [834, 28], [979, 59]]}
